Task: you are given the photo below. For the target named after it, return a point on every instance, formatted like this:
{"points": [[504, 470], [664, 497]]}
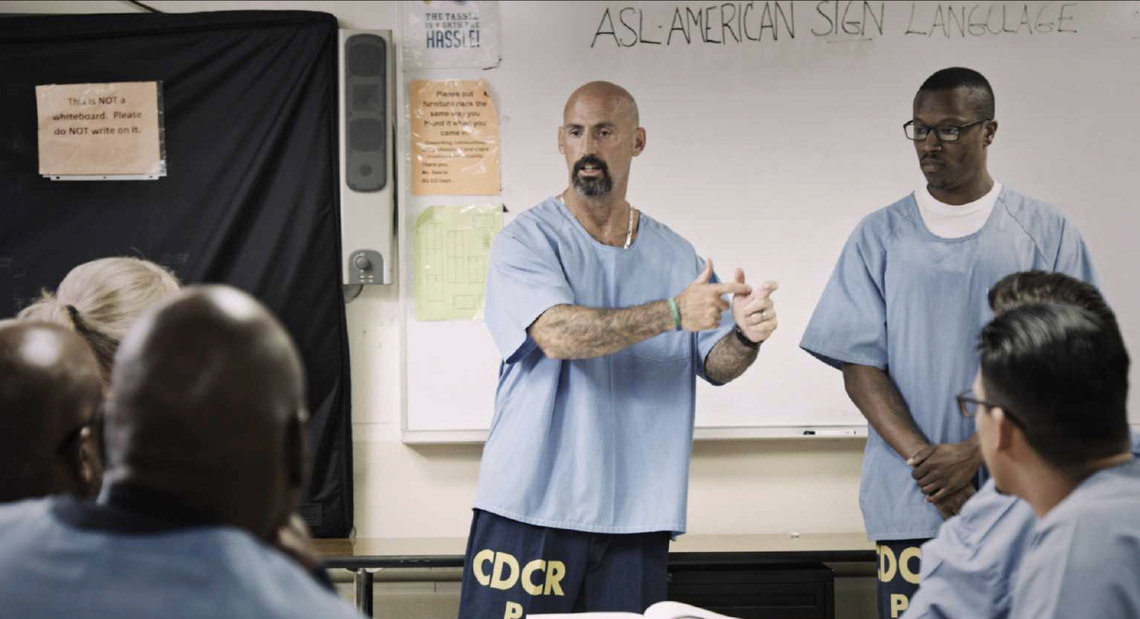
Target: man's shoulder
{"points": [[537, 226], [1100, 518], [989, 511], [255, 574], [245, 577], [886, 222], [987, 515], [530, 230], [1110, 494], [1033, 214], [14, 516], [23, 529], [545, 213], [648, 225]]}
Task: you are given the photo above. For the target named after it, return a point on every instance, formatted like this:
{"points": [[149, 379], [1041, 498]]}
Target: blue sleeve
{"points": [[707, 339], [1073, 257], [1078, 569], [849, 324], [524, 280]]}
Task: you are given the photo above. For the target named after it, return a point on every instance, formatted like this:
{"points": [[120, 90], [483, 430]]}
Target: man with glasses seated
{"points": [[205, 442], [903, 305], [50, 393], [969, 569], [1050, 403]]}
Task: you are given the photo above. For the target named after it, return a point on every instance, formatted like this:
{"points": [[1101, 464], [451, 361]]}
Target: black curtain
{"points": [[250, 197]]}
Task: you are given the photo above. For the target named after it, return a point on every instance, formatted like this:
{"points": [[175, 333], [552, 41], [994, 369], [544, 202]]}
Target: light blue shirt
{"points": [[1084, 557], [911, 304], [969, 570], [51, 569], [599, 445]]}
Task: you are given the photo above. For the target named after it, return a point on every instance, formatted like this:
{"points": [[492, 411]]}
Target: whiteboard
{"points": [[766, 153]]}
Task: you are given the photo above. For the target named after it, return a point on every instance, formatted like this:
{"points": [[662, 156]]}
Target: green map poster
{"points": [[451, 247]]}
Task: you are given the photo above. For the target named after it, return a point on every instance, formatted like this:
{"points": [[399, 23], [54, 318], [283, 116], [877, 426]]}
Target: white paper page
{"points": [[660, 610], [586, 616], [677, 610]]}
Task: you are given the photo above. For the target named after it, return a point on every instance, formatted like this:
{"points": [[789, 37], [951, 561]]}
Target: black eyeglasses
{"points": [[93, 425], [968, 406], [917, 131]]}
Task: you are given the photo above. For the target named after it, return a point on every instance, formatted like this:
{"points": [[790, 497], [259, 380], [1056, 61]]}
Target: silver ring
{"points": [[761, 315]]}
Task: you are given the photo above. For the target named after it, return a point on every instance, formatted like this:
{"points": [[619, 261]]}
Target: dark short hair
{"points": [[1062, 372], [961, 77], [1024, 287]]}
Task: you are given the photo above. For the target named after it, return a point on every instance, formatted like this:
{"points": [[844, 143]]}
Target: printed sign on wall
{"points": [[455, 138], [109, 130], [450, 34]]}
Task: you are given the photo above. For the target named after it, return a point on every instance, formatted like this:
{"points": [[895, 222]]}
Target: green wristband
{"points": [[676, 311]]}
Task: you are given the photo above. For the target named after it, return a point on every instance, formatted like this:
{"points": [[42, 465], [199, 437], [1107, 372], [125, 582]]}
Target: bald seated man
{"points": [[604, 318], [205, 451], [50, 393]]}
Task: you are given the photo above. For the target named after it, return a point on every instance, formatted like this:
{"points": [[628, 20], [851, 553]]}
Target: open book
{"points": [[660, 610]]}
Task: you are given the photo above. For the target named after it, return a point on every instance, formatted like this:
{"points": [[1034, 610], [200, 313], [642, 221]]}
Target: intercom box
{"points": [[366, 98]]}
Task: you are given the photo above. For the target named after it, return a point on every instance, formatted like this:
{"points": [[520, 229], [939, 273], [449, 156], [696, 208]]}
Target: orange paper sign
{"points": [[455, 138]]}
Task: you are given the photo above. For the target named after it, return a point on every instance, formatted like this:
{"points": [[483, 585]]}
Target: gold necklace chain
{"points": [[629, 229], [628, 226]]}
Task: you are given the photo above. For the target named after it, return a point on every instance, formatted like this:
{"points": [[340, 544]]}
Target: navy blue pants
{"points": [[899, 561], [514, 569]]}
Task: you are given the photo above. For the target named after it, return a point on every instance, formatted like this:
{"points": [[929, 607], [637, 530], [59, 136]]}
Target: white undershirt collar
{"points": [[955, 221]]}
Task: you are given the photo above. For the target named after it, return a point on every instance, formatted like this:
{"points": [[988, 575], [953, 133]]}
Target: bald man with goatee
{"points": [[50, 393], [205, 465], [603, 318]]}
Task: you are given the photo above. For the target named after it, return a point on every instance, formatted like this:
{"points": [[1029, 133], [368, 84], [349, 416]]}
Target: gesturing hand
{"points": [[945, 468], [701, 303], [755, 312]]}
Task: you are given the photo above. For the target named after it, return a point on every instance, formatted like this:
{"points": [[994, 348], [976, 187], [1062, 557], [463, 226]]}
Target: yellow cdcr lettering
{"points": [[555, 570], [482, 557], [904, 564], [538, 565], [502, 560], [886, 563], [899, 602], [514, 611]]}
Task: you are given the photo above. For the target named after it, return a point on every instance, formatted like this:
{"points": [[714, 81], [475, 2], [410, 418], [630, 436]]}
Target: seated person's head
{"points": [[100, 299], [207, 408], [1025, 287], [50, 392], [1054, 386]]}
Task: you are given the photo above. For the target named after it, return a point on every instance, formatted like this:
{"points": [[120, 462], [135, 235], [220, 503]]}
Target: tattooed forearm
{"points": [[574, 332], [728, 359]]}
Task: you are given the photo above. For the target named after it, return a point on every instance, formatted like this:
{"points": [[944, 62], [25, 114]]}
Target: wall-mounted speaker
{"points": [[367, 154]]}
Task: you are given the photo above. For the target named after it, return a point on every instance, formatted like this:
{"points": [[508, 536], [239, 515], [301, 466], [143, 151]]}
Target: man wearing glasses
{"points": [[50, 393], [904, 305], [969, 569], [1050, 402]]}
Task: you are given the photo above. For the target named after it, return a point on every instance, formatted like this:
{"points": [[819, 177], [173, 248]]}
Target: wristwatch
{"points": [[744, 338]]}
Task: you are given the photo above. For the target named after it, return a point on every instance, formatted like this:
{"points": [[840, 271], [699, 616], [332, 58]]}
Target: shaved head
{"points": [[207, 406], [610, 96], [50, 391]]}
